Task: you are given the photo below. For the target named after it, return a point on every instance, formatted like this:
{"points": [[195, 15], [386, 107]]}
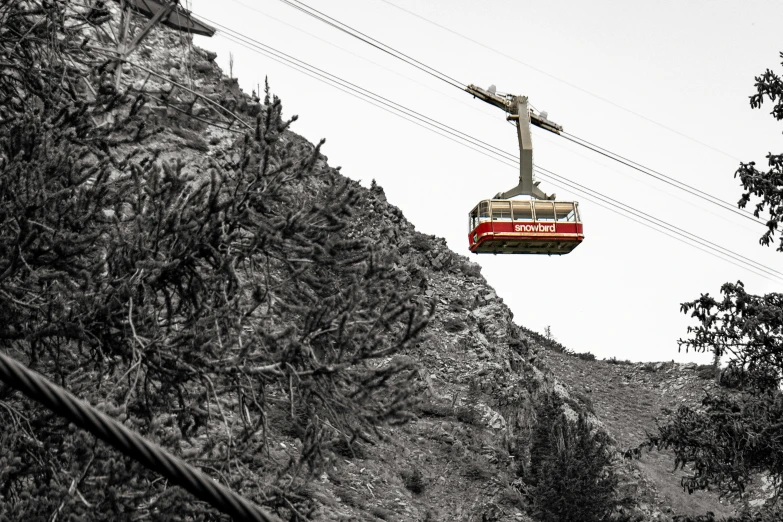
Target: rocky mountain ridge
{"points": [[479, 375], [455, 453]]}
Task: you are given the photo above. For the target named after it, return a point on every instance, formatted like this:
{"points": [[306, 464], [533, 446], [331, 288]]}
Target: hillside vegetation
{"points": [[199, 272]]}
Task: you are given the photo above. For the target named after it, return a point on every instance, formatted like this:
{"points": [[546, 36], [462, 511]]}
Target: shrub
{"points": [[430, 408], [478, 469], [468, 413], [585, 356], [414, 481], [705, 371], [453, 324], [585, 400], [421, 242], [187, 299]]}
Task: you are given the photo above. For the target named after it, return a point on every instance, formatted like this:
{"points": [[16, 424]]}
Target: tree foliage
{"points": [[215, 312], [736, 435], [570, 477], [766, 185]]}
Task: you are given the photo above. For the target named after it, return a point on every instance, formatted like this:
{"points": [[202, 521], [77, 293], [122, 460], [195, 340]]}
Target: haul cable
{"points": [[318, 15], [40, 389], [469, 141]]}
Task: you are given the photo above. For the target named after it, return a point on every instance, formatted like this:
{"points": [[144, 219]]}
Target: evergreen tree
{"points": [[570, 476], [210, 312]]}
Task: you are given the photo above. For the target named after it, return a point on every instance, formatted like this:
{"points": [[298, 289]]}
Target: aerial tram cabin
{"points": [[537, 225], [509, 226]]}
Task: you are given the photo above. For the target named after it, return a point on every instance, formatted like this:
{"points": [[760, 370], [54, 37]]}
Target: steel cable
{"points": [[112, 432], [318, 15], [347, 29], [556, 78], [471, 142], [709, 198]]}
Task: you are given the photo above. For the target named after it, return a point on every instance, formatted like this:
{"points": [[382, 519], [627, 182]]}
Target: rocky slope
{"points": [[479, 374], [628, 398]]}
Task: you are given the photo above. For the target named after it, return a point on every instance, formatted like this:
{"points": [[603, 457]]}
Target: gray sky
{"points": [[686, 65]]}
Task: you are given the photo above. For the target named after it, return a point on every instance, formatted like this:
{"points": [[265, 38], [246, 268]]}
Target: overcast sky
{"points": [[688, 66]]}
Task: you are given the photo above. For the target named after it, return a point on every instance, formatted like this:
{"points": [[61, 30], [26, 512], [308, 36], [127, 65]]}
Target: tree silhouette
{"points": [[736, 434], [570, 476], [766, 185]]}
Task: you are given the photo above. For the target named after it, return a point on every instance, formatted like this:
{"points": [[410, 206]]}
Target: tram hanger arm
{"points": [[508, 104], [518, 110]]}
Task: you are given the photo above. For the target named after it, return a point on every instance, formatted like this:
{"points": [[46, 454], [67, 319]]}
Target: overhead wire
{"points": [[560, 80], [492, 151], [471, 106], [543, 135], [318, 15], [662, 177], [345, 28], [616, 210], [353, 90]]}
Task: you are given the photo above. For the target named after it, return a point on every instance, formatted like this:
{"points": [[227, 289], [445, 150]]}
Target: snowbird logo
{"points": [[538, 227]]}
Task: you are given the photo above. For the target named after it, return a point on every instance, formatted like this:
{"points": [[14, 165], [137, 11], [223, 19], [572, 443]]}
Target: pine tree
{"points": [[570, 476]]}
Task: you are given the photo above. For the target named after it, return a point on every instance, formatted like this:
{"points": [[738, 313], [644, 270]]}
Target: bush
{"points": [[454, 324], [468, 413], [585, 400], [585, 356], [705, 371], [616, 361], [414, 481], [186, 298], [421, 242]]}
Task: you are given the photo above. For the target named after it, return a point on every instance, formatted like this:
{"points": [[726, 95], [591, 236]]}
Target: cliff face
{"points": [[478, 376]]}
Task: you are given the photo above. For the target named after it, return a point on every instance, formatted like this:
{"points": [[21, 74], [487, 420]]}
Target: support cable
{"points": [[686, 241], [347, 29], [564, 82], [662, 177], [471, 142], [153, 457], [297, 4]]}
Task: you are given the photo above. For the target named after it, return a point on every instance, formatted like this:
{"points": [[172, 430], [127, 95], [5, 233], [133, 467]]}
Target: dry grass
{"points": [[657, 467]]}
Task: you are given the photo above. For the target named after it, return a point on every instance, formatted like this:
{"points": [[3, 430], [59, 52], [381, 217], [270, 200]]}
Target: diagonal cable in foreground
{"points": [[131, 444]]}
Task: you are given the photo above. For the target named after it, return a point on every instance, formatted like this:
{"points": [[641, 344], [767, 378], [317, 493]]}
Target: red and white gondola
{"points": [[504, 226]]}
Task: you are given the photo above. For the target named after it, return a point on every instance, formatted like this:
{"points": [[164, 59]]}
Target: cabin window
{"points": [[522, 211], [483, 210], [565, 212], [473, 219], [545, 210], [501, 211]]}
